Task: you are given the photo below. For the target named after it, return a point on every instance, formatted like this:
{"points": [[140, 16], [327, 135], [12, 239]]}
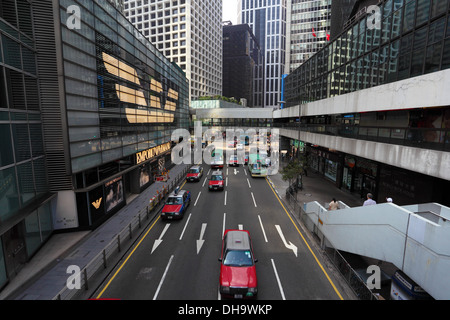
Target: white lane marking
{"points": [[278, 280], [197, 198], [253, 199], [245, 171], [187, 221], [225, 200], [226, 182], [206, 178], [248, 183], [223, 224], [163, 277], [262, 228]]}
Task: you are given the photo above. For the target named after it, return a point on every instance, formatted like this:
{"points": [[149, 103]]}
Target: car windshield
{"points": [[174, 200], [193, 170], [233, 158], [238, 258], [216, 177]]}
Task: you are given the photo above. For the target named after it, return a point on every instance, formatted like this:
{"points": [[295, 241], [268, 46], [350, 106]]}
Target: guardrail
{"points": [[309, 220], [118, 244]]}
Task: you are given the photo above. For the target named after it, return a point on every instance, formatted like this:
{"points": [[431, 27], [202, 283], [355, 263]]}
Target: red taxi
{"points": [[237, 269]]}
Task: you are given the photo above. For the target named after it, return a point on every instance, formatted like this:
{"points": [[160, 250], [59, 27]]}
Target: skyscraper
{"points": [[188, 33], [308, 30], [242, 61], [267, 19]]}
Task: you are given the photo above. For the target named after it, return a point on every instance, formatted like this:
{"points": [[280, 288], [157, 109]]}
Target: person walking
{"points": [[334, 205], [369, 200]]}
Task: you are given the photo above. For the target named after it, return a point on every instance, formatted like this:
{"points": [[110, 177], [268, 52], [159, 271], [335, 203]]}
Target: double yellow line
{"points": [[304, 240], [131, 253]]}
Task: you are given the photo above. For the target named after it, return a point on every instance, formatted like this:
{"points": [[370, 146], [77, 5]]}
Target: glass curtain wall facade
{"points": [[123, 100], [189, 33], [25, 201], [309, 29], [267, 19], [413, 39]]}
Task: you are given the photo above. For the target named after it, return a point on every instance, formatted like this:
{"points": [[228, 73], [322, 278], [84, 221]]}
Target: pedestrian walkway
{"points": [[45, 275], [316, 188]]}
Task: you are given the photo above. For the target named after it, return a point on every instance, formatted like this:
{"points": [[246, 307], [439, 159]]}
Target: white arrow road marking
{"points": [[235, 171], [201, 241], [159, 240], [290, 246], [240, 226]]}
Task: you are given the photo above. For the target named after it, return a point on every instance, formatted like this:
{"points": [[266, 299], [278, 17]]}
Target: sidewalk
{"points": [[316, 188], [45, 275]]}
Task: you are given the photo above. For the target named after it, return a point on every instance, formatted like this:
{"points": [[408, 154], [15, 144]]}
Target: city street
{"points": [[179, 259]]}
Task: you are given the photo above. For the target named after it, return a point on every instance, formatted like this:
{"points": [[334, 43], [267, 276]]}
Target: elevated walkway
{"points": [[414, 238]]}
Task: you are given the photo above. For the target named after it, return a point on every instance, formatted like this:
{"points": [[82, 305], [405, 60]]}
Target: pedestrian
{"points": [[389, 200], [369, 200], [334, 205]]}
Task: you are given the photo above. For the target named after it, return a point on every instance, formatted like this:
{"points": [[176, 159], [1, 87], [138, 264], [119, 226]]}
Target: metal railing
{"points": [[121, 241], [353, 279]]}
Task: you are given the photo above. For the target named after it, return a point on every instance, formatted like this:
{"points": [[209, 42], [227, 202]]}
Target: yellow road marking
{"points": [[304, 240], [131, 253]]}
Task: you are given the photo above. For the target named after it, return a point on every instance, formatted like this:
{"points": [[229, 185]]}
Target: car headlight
{"points": [[224, 289], [253, 290]]}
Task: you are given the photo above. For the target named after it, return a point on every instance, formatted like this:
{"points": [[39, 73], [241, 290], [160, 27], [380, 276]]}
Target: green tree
{"points": [[295, 170]]}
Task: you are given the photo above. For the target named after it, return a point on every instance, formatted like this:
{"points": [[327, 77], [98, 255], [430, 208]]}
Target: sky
{"points": [[229, 11]]}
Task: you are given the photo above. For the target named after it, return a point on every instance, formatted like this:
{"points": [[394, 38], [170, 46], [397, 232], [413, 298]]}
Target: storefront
{"points": [[359, 175], [102, 200], [326, 162]]}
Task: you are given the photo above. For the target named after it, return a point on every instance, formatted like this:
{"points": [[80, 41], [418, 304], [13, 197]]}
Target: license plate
{"points": [[238, 296], [169, 217]]}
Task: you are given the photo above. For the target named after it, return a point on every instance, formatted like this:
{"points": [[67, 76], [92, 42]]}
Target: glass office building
{"points": [[267, 19], [123, 100], [413, 39], [25, 200], [87, 109], [308, 30]]}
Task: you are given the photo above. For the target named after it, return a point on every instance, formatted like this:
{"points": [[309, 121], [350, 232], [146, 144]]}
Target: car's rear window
{"points": [[216, 178]]}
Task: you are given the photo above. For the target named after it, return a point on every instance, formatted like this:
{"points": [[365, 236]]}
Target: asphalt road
{"points": [[178, 260]]}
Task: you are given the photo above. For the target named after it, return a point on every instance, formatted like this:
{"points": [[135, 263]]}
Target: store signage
{"points": [[97, 203], [152, 152], [162, 107]]}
